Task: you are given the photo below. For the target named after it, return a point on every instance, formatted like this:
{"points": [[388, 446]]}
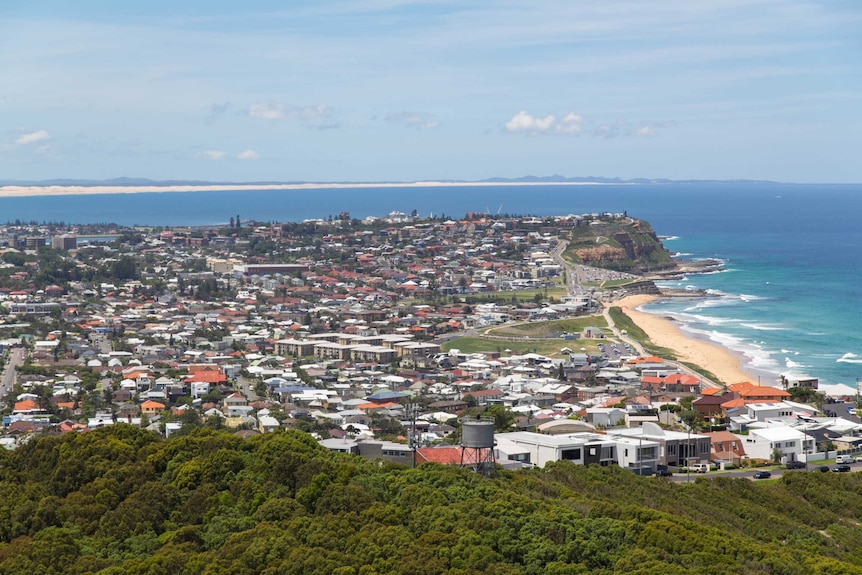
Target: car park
{"points": [[762, 475], [841, 468]]}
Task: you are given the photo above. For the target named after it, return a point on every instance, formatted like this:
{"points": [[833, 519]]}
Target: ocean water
{"points": [[788, 301]]}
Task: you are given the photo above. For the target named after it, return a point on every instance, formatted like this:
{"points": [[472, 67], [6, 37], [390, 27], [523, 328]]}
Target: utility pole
{"points": [[412, 411], [688, 457]]}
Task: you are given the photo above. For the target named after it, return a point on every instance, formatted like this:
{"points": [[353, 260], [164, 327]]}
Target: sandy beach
{"points": [[724, 364], [24, 191]]}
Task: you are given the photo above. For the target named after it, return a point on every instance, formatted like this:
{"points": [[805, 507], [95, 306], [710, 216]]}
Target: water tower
{"points": [[477, 445]]}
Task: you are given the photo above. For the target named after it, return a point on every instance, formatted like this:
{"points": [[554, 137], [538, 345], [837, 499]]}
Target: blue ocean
{"points": [[787, 302]]}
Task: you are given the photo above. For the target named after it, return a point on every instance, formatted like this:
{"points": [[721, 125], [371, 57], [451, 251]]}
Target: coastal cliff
{"points": [[617, 243]]}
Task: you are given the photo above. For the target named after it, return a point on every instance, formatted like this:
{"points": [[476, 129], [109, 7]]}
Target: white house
{"points": [[538, 449], [268, 423], [790, 443], [199, 388], [769, 410]]}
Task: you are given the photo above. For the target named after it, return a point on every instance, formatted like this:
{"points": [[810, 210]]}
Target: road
{"points": [[7, 382], [813, 467], [246, 388]]}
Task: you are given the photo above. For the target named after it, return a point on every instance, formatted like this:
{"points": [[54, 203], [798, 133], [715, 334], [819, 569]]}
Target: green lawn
{"points": [[548, 347], [544, 328]]}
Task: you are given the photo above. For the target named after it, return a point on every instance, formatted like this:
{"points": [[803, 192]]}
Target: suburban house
{"points": [[579, 448], [786, 443], [727, 447], [676, 448]]}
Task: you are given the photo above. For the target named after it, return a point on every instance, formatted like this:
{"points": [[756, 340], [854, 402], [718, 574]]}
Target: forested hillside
{"points": [[120, 500]]}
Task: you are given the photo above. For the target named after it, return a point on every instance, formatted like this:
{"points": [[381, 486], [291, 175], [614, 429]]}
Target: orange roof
{"points": [[732, 403], [150, 404], [711, 390], [764, 392], [647, 359], [199, 368], [207, 377], [26, 405], [368, 406], [442, 455], [681, 379]]}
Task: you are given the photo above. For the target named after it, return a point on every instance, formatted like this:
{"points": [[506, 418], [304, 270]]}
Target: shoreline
{"points": [[725, 364], [30, 191]]}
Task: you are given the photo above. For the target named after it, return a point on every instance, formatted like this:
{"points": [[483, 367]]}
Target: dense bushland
{"points": [[120, 500]]}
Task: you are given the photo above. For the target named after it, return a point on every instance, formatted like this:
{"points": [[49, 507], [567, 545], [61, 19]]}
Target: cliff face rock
{"points": [[619, 243]]}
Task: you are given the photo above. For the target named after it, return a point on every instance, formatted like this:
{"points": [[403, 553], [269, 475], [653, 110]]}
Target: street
{"points": [[7, 381]]}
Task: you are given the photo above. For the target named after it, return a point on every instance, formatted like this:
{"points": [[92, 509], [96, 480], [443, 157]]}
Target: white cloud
{"points": [[248, 155], [418, 120], [320, 116], [266, 111], [212, 155], [643, 132], [571, 124], [32, 137], [524, 122]]}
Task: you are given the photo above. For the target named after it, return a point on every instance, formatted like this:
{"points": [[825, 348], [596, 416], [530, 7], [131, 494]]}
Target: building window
{"points": [[571, 454], [671, 448], [704, 447]]}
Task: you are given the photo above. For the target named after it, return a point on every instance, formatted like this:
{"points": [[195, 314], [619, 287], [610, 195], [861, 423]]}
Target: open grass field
{"points": [[548, 347], [546, 328], [556, 293]]}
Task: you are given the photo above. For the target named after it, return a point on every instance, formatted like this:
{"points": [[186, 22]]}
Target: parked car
{"points": [[841, 468], [663, 473], [762, 475], [821, 468], [845, 459], [796, 465], [699, 468]]}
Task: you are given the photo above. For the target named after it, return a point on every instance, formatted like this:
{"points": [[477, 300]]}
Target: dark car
{"points": [[841, 468], [821, 468], [762, 475], [796, 465], [663, 473]]}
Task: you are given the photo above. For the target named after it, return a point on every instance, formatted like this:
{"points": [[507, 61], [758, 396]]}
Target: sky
{"points": [[402, 90]]}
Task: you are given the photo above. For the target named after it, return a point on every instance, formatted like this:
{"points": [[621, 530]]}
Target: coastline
{"points": [[723, 363], [29, 191]]}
